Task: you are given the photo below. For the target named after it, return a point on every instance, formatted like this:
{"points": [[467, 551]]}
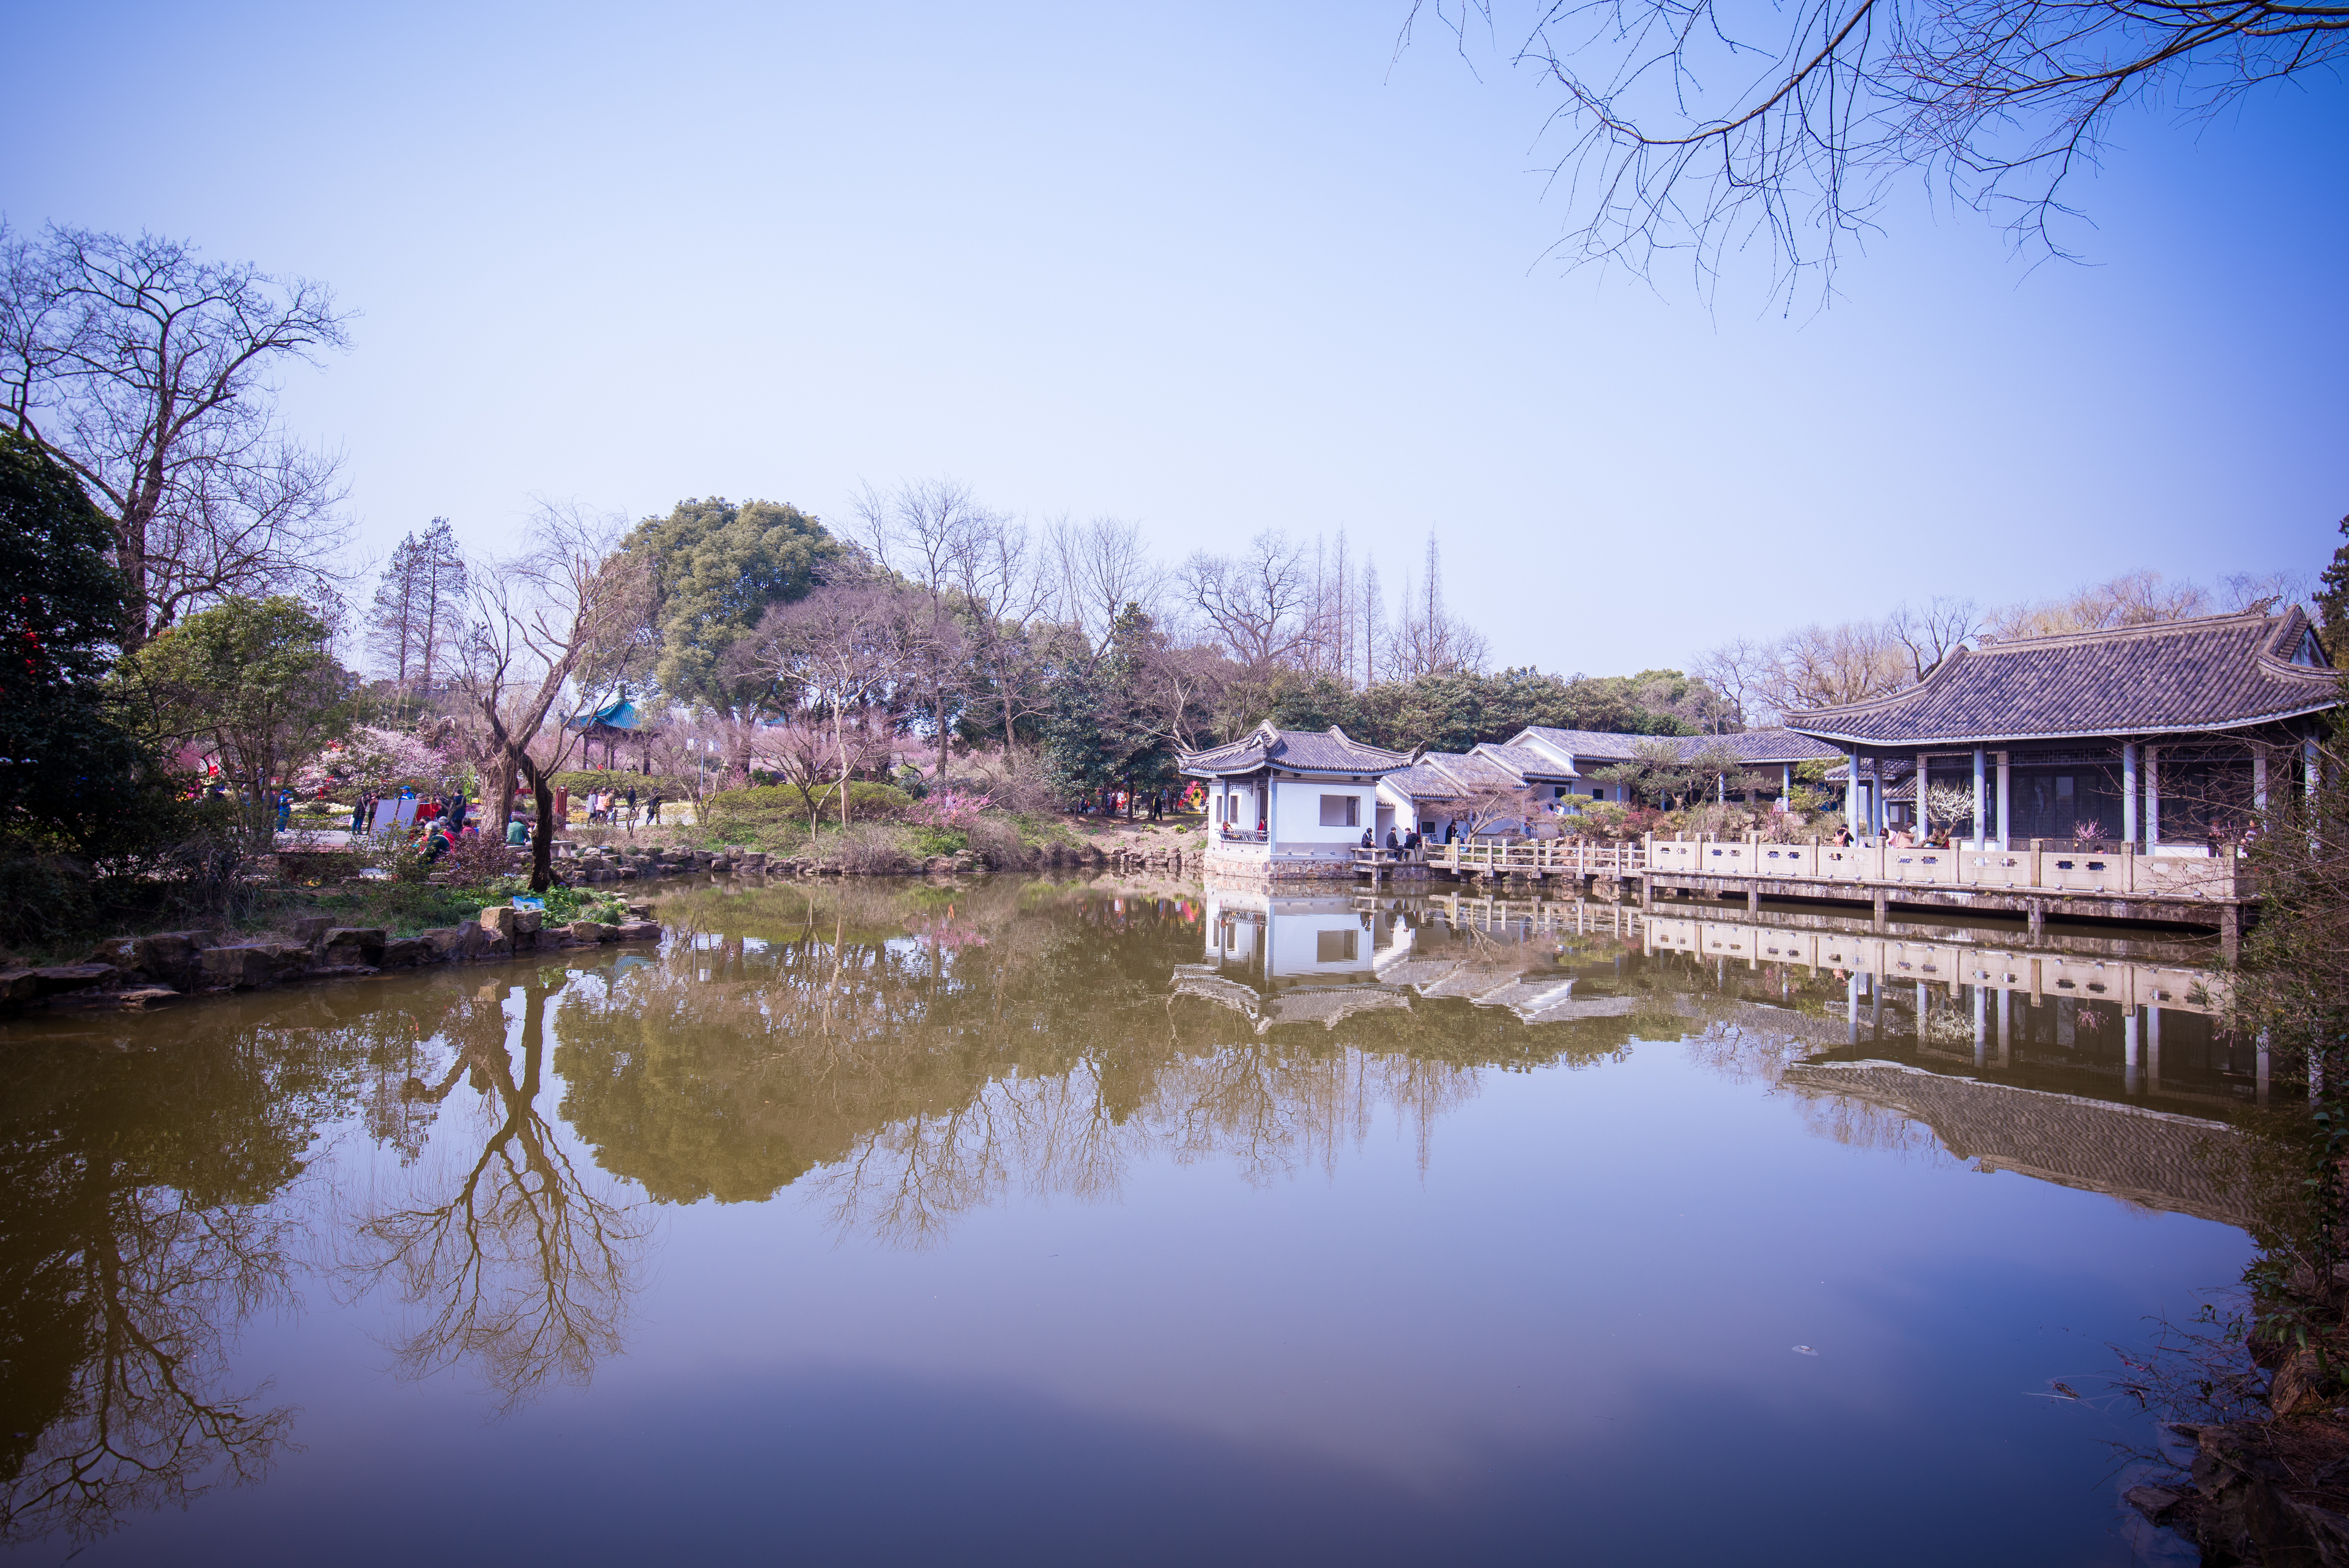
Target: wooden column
{"points": [[2152, 798]]}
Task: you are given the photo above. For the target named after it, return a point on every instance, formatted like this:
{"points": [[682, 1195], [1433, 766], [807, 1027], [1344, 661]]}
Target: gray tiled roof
{"points": [[1753, 747], [2218, 672], [1528, 764], [1327, 750], [1423, 782]]}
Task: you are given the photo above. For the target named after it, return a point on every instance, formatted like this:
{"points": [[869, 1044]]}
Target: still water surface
{"points": [[1065, 1223]]}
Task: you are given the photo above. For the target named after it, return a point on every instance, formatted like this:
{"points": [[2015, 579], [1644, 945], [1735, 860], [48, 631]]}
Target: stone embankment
{"points": [[132, 971]]}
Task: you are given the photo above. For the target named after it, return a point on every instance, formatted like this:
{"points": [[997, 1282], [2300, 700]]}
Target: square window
{"points": [[1341, 810], [1335, 947]]}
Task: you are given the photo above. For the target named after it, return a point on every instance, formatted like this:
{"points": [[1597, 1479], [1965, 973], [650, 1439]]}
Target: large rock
{"points": [[63, 977], [347, 945], [175, 958], [529, 922], [591, 932], [497, 925], [240, 964], [18, 987], [641, 931], [450, 942], [404, 952]]}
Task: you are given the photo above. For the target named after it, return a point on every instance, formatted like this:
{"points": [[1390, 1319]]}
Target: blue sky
{"points": [[1215, 269]]}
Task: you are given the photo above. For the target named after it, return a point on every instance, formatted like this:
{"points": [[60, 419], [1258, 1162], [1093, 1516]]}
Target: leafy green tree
{"points": [[2333, 602], [1100, 733], [718, 568], [255, 677], [71, 772]]}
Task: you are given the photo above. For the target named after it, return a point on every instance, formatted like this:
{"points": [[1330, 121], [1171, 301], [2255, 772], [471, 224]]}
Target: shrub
{"points": [[868, 848], [581, 780], [949, 807], [866, 802], [1002, 844], [925, 840]]}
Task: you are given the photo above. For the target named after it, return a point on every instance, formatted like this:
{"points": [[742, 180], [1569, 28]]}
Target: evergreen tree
{"points": [[69, 772], [2333, 602]]}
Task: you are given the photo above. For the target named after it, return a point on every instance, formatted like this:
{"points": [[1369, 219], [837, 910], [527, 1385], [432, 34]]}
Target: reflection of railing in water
{"points": [[2120, 873], [2049, 971], [2040, 972]]}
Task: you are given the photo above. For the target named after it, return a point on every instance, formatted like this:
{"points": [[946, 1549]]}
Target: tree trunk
{"points": [[541, 841], [942, 734]]}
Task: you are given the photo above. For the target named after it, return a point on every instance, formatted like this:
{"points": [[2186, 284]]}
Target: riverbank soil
{"points": [[2274, 1490]]}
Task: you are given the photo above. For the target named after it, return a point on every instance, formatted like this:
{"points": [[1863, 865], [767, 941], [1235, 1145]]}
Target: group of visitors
{"points": [[605, 805], [1151, 803], [1405, 843]]}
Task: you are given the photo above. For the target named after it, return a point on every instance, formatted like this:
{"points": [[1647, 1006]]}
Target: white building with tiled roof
{"points": [[1290, 803]]}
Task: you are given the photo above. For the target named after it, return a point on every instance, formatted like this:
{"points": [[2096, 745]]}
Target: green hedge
{"points": [[581, 780], [868, 802]]}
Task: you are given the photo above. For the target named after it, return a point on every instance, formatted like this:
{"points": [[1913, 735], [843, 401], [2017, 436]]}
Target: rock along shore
{"points": [[133, 972]]}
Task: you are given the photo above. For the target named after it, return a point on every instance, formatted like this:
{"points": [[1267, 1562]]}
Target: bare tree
{"points": [[418, 606], [2133, 598], [1740, 669], [1002, 593], [1698, 127], [1934, 633], [1101, 566], [1829, 666], [1428, 639], [927, 533], [144, 369], [1258, 605], [840, 647], [546, 623]]}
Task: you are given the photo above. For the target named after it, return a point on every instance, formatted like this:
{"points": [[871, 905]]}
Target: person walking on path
{"points": [[652, 810]]}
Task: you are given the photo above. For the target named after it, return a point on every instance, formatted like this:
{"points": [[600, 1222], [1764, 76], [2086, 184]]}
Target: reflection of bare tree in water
{"points": [[517, 1263], [137, 1241], [902, 1079], [142, 1424]]}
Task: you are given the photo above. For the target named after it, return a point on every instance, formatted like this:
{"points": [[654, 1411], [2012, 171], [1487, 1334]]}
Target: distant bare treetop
{"points": [[144, 369], [1857, 661], [1697, 128]]}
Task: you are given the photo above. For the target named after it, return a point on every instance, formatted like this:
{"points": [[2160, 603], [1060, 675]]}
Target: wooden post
{"points": [[2036, 914], [1754, 898], [2038, 848], [1879, 906]]}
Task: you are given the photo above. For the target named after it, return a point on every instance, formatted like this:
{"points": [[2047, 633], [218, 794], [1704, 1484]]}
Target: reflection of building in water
{"points": [[1982, 1002], [1291, 959], [2181, 1164], [1284, 960]]}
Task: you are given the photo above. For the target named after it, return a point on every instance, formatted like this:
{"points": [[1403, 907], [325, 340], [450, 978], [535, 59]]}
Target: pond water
{"points": [[1069, 1222]]}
